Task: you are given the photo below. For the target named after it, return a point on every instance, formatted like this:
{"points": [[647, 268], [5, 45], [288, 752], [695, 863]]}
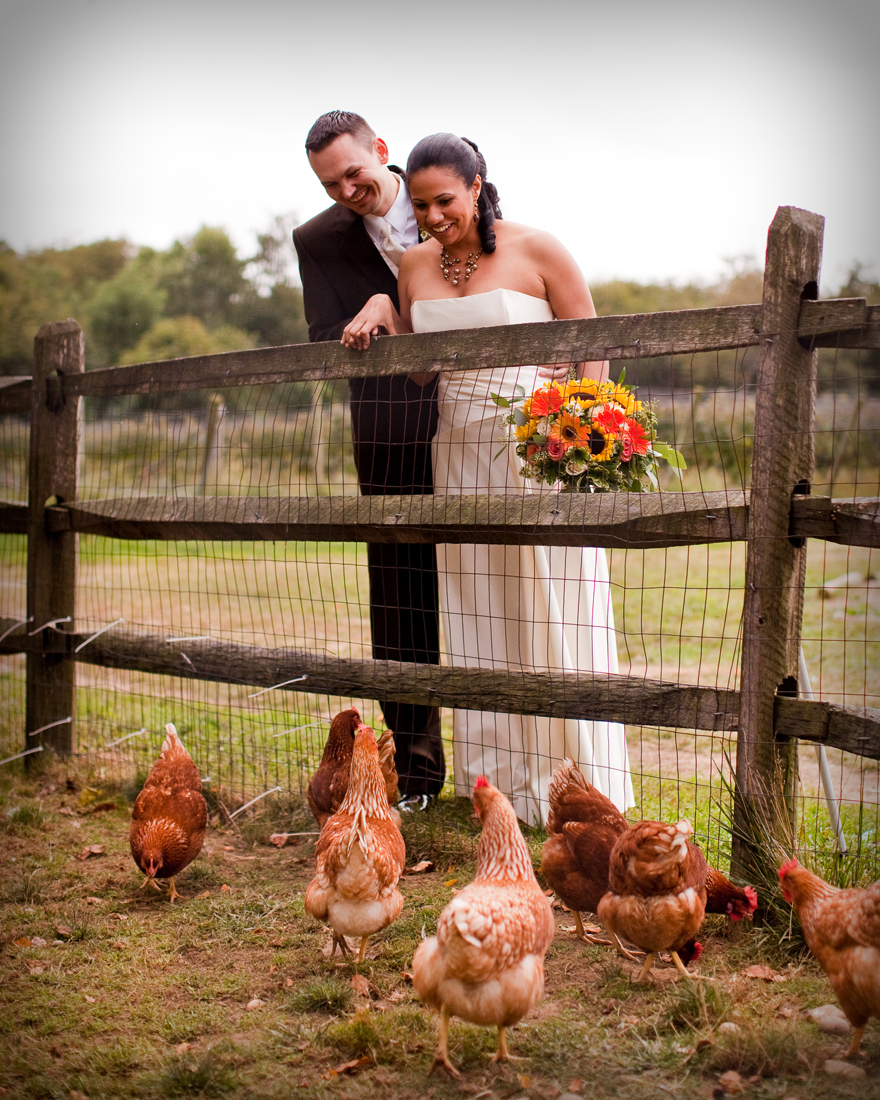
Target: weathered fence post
{"points": [[51, 562], [782, 466]]}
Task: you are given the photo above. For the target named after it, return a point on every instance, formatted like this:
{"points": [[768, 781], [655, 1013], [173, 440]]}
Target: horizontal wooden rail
{"points": [[611, 520], [843, 322], [603, 697]]}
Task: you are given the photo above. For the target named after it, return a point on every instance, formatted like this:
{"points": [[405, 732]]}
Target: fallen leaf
{"points": [[350, 1067], [451, 882], [360, 985], [786, 1012], [94, 901], [35, 967], [119, 916], [120, 945], [272, 969], [276, 943], [91, 850], [67, 811], [281, 839], [204, 894], [288, 982], [765, 973], [182, 1048], [255, 1003], [525, 1081], [576, 1085], [63, 930], [38, 941], [423, 867], [89, 1000], [102, 807], [396, 995], [731, 1081], [74, 1095], [224, 889], [302, 1046], [228, 847]]}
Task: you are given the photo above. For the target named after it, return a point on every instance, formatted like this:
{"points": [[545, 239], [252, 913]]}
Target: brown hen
{"points": [[842, 929], [656, 889], [360, 855], [169, 816], [328, 785], [584, 826], [486, 963]]}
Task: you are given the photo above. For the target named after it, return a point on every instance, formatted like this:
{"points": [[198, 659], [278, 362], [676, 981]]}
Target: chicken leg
{"points": [[173, 891], [502, 1054], [646, 969], [441, 1058], [362, 951], [856, 1042], [152, 882]]}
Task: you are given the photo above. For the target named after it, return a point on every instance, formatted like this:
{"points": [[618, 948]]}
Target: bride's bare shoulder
{"points": [[527, 237]]}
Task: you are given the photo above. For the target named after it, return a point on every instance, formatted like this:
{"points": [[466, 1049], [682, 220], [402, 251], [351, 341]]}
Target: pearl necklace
{"points": [[470, 264]]}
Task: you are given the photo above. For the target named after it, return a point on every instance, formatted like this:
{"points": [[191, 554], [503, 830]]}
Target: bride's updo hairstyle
{"points": [[462, 157]]}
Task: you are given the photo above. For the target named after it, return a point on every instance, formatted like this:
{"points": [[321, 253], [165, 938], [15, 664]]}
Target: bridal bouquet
{"points": [[587, 436]]}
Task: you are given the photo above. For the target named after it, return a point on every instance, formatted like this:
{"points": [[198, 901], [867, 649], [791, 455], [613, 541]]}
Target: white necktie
{"points": [[392, 249]]}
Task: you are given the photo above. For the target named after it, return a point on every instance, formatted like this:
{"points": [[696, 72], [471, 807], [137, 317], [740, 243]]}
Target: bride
{"points": [[529, 608]]}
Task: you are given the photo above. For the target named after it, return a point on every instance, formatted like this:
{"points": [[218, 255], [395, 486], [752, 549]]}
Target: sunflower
{"points": [[601, 443], [569, 430], [525, 431]]}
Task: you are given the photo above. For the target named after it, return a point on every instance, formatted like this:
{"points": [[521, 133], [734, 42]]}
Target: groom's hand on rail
{"points": [[377, 318]]}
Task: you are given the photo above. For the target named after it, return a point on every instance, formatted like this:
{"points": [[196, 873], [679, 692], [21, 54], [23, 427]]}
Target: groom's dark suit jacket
{"points": [[393, 420]]}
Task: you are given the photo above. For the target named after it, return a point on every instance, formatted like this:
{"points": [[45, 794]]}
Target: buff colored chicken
{"points": [[169, 816], [360, 855], [328, 785], [842, 929], [656, 890], [486, 963]]}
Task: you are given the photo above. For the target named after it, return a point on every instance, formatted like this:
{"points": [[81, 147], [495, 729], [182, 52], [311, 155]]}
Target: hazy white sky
{"points": [[654, 140]]}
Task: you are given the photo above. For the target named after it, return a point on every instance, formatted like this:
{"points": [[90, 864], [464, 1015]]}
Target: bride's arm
{"points": [[403, 287], [569, 298]]}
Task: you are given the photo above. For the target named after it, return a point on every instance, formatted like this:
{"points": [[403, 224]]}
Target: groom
{"points": [[346, 254]]}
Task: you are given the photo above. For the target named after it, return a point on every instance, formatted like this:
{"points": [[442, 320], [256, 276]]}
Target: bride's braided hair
{"points": [[463, 157]]}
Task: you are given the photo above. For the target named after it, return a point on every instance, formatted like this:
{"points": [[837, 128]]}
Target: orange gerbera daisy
{"points": [[569, 431], [548, 399], [634, 440]]}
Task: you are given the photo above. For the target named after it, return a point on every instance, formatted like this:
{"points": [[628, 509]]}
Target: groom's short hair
{"points": [[334, 124]]}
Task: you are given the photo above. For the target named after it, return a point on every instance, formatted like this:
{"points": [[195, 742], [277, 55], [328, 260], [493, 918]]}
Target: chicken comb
{"points": [[752, 896], [789, 865], [481, 782]]}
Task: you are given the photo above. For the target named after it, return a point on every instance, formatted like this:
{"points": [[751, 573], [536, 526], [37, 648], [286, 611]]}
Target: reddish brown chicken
{"points": [[328, 786], [360, 855], [656, 890], [584, 826], [169, 816], [486, 963], [842, 929]]}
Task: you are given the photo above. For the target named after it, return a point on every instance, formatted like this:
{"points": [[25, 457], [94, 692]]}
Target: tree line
{"points": [[199, 297]]}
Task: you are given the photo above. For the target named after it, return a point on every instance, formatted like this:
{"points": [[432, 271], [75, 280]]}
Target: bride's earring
{"points": [[476, 213]]}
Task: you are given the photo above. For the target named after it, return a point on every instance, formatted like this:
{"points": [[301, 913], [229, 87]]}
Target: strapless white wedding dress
{"points": [[529, 608]]}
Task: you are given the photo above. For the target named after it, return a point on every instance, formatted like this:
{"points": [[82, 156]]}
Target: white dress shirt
{"points": [[400, 221]]}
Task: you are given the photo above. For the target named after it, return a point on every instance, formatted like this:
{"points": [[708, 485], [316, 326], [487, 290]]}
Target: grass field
{"points": [[109, 992]]}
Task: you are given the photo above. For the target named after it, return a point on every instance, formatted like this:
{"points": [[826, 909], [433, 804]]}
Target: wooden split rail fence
{"points": [[775, 518]]}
